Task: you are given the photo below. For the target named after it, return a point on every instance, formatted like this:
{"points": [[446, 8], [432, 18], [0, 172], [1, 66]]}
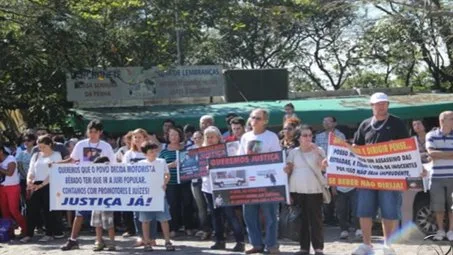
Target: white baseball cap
{"points": [[378, 97]]}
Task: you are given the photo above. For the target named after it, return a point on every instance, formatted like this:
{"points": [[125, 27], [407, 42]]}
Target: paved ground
{"points": [[408, 242]]}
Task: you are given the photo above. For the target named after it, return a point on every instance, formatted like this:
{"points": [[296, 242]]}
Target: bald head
{"points": [[446, 120]]}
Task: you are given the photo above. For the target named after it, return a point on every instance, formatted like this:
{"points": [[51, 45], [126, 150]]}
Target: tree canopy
{"points": [[324, 44]]}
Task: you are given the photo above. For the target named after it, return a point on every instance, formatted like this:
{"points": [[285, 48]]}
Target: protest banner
{"points": [[249, 179], [393, 165], [193, 164], [107, 187]]}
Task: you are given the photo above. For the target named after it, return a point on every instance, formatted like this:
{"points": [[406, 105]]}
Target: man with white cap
{"points": [[381, 127]]}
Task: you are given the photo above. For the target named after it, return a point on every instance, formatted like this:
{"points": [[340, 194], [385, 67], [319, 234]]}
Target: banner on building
{"points": [[106, 187], [249, 179], [393, 165], [122, 83]]}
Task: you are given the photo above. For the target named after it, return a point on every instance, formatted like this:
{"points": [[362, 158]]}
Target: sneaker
{"points": [[98, 246], [240, 247], [111, 247], [363, 249], [274, 250], [218, 246], [39, 231], [25, 239], [439, 236], [344, 234], [59, 236], [199, 233], [70, 245], [358, 233], [127, 234], [189, 232], [254, 250], [389, 250], [45, 239], [450, 235], [205, 236]]}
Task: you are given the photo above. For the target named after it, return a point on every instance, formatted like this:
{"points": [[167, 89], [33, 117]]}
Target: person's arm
{"points": [[65, 161], [432, 151], [9, 171], [436, 154]]}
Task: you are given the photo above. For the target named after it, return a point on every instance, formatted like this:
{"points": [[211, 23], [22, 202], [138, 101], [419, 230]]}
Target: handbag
{"points": [[326, 196]]}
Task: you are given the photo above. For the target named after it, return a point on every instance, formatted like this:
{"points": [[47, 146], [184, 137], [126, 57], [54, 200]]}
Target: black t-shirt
{"points": [[393, 129]]}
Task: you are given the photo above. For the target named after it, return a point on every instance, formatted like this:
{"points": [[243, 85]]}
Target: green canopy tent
{"points": [[347, 110]]}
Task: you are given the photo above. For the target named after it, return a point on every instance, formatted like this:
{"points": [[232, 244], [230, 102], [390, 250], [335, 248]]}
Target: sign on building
{"points": [[125, 83]]}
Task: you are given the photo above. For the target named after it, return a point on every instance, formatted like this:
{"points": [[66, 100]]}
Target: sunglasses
{"points": [[288, 129]]}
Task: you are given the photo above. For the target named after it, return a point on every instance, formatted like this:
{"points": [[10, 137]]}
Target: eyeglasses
{"points": [[288, 129], [306, 135], [255, 118], [198, 138]]}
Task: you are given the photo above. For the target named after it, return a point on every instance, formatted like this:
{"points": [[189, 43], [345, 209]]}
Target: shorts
{"points": [[85, 214], [158, 216], [438, 196], [369, 201], [102, 219]]}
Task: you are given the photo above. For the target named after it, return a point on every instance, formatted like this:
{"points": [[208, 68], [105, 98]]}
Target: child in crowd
{"points": [[289, 112], [151, 151], [103, 220]]}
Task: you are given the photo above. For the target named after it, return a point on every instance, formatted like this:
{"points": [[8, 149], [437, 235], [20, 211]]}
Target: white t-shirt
{"points": [[13, 179], [84, 151], [159, 162], [131, 157], [302, 179], [261, 143], [39, 168]]}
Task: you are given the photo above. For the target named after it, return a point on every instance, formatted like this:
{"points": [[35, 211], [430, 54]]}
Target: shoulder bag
{"points": [[326, 197]]}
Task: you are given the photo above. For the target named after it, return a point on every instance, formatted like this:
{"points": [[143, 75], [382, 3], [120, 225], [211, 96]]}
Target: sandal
{"points": [[98, 246], [148, 247], [169, 246]]}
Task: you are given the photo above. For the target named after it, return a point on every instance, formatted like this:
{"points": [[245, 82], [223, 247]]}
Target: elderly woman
{"points": [[306, 184], [213, 136], [38, 184]]}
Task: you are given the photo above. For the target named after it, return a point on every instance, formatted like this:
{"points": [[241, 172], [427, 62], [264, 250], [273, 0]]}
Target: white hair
{"points": [[207, 117], [212, 130]]}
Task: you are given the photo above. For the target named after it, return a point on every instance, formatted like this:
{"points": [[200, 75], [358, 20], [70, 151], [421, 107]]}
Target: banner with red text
{"points": [[393, 165], [249, 179]]}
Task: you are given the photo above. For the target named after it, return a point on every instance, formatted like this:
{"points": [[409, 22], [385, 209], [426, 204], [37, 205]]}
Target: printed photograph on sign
{"points": [[188, 160], [232, 148], [229, 178], [90, 154]]}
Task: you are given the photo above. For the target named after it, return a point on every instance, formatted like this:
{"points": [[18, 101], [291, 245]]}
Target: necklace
{"points": [[89, 145], [374, 121]]}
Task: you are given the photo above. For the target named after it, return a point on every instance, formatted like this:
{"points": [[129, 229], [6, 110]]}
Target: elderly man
{"points": [[381, 127], [439, 144], [205, 122], [260, 140]]}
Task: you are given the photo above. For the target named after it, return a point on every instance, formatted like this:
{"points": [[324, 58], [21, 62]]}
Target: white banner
{"points": [[106, 187], [249, 179], [393, 165]]}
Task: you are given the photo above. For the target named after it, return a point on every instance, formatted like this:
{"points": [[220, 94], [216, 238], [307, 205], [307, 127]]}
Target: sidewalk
{"points": [[408, 244]]}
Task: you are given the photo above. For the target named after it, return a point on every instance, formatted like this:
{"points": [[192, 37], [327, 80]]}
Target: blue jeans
{"points": [[252, 220]]}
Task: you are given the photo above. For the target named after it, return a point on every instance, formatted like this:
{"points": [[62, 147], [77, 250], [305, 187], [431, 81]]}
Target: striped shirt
{"points": [[170, 156], [436, 140]]}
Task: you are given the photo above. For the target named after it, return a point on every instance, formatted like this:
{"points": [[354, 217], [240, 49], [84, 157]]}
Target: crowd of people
{"points": [[189, 206]]}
